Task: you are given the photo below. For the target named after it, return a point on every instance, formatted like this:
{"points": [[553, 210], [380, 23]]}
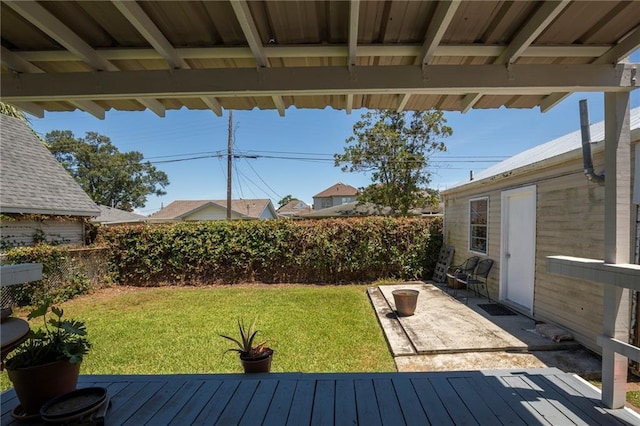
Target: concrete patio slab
{"points": [[446, 334]]}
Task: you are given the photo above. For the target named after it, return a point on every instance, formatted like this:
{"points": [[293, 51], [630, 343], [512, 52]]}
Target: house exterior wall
{"points": [[326, 202], [570, 221], [21, 233], [210, 213]]}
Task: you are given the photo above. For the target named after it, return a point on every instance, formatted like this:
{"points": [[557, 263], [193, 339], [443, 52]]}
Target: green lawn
{"points": [[175, 330]]}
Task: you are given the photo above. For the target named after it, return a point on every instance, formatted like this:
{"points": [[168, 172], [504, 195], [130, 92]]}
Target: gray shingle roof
{"points": [[31, 179], [112, 215], [548, 150]]}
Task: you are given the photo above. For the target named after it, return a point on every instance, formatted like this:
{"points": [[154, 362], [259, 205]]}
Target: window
{"points": [[346, 200], [478, 219]]}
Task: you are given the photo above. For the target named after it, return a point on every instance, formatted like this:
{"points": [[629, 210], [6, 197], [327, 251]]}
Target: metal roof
{"points": [[238, 54], [32, 181], [548, 150]]}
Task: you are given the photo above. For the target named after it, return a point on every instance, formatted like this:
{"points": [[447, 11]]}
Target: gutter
{"points": [[586, 145]]}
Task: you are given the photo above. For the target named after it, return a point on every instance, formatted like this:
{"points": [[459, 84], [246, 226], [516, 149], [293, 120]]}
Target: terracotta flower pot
{"points": [[405, 301], [36, 385], [257, 365]]}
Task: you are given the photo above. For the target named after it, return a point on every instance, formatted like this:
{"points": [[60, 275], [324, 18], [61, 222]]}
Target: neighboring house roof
{"points": [[31, 179], [546, 151], [110, 215], [338, 190], [294, 207], [351, 209], [250, 208]]}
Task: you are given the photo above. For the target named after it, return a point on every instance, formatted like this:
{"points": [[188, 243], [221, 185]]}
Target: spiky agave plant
{"points": [[245, 342]]}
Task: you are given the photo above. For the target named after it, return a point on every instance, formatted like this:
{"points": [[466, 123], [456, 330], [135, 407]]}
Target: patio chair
{"points": [[478, 278], [461, 271]]}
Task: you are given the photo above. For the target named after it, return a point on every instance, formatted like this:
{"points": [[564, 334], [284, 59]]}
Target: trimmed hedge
{"points": [[325, 251]]}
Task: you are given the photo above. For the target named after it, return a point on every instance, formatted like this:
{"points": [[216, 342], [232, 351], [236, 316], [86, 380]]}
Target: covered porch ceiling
{"points": [[405, 55]]}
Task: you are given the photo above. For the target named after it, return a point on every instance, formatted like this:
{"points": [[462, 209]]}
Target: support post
{"points": [[229, 163], [617, 243]]}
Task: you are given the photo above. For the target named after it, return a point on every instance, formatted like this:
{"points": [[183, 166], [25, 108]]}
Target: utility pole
{"points": [[229, 163]]}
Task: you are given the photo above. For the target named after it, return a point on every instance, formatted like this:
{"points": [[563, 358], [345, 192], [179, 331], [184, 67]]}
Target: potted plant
{"points": [[47, 364], [255, 358]]}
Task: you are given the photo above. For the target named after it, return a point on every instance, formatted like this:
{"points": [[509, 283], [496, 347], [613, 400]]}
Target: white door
{"points": [[518, 251]]}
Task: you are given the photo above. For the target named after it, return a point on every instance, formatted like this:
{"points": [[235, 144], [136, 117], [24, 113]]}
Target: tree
{"points": [[108, 176], [286, 199], [395, 148]]}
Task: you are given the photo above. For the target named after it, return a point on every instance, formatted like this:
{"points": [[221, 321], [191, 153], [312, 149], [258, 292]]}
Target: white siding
{"points": [[14, 233]]}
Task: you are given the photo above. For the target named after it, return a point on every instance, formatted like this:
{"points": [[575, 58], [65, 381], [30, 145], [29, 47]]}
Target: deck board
{"points": [[542, 396]]}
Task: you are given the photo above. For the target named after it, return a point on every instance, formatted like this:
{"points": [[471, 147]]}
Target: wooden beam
{"points": [[31, 108], [213, 105], [402, 103], [145, 26], [243, 14], [54, 28], [444, 13], [443, 79], [279, 104], [90, 107], [617, 241], [154, 105], [354, 14], [623, 49], [16, 63], [552, 100], [319, 51], [469, 101], [545, 14]]}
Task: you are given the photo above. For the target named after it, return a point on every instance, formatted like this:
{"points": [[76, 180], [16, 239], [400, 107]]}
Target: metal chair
{"points": [[461, 271], [478, 278]]}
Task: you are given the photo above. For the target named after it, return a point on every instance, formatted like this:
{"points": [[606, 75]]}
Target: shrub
{"points": [[322, 251], [63, 277]]}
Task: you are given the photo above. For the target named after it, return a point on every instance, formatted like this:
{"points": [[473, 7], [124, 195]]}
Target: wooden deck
{"points": [[528, 397]]}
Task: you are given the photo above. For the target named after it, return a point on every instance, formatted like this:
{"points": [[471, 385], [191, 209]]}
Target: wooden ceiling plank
{"points": [[540, 20], [90, 107], [145, 26], [624, 48], [354, 16], [243, 14], [213, 104], [444, 13], [55, 29]]}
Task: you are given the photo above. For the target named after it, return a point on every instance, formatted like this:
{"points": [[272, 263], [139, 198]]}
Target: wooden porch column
{"points": [[617, 242]]}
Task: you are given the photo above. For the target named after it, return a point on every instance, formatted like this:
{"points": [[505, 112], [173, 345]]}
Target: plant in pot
{"points": [[254, 357], [47, 364]]}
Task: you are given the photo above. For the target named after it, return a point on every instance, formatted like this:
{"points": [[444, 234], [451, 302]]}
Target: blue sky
{"points": [[480, 137]]}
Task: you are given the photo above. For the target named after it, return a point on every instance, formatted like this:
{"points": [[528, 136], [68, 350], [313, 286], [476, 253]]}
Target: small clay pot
{"points": [[405, 300]]}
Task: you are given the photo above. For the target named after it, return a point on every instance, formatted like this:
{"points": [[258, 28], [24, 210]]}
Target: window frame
{"points": [[470, 229]]}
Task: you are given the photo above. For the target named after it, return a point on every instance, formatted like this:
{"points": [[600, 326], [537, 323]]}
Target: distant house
{"points": [[357, 209], [200, 210], [112, 216], [294, 208], [536, 204], [334, 196], [39, 200]]}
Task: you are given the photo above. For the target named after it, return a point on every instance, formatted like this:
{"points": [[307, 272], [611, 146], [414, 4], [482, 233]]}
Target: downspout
{"points": [[586, 145]]}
